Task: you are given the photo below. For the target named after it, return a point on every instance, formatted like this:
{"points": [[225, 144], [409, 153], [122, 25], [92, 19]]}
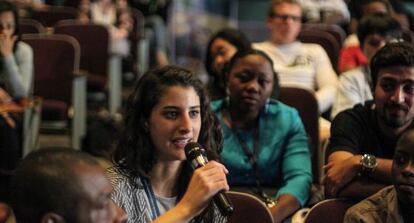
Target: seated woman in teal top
{"points": [[265, 144]]}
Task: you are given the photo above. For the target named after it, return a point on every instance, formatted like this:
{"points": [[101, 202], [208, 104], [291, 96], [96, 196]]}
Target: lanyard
{"points": [[155, 211], [252, 157]]}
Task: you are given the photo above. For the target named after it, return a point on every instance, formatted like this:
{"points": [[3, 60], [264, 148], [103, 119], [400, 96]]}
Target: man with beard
{"points": [[363, 138]]}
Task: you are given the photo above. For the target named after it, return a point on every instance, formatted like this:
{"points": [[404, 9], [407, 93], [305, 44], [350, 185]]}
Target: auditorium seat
{"points": [[335, 30], [324, 39], [58, 81], [50, 15], [139, 42], [329, 211], [104, 70], [248, 209], [307, 105], [27, 26]]}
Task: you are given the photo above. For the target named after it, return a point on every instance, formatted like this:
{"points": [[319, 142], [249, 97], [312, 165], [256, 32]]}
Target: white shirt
{"points": [[303, 65]]}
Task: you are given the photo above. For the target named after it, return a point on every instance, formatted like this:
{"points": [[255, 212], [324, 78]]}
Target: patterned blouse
{"points": [[138, 200]]}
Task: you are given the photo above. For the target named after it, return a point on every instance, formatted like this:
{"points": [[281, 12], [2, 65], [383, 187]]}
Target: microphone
{"points": [[196, 155]]}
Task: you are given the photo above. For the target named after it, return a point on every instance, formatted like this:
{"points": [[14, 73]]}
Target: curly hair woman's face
{"points": [[175, 121]]}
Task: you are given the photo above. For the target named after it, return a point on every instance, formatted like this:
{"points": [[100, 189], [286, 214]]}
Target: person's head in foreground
{"points": [[54, 185]]}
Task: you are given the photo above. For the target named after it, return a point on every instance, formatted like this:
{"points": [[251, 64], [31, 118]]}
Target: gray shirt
{"points": [[380, 207], [16, 74], [353, 88]]}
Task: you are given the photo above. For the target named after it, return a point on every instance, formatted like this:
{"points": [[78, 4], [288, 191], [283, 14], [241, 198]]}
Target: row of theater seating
{"points": [[64, 56], [248, 208]]}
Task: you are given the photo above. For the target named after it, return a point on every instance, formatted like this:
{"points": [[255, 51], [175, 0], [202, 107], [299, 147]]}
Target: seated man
{"points": [[355, 86], [62, 185], [298, 64], [394, 203], [363, 138]]}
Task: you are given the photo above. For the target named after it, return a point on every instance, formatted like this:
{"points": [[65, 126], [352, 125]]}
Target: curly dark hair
{"points": [[135, 153], [378, 23], [392, 54], [357, 7]]}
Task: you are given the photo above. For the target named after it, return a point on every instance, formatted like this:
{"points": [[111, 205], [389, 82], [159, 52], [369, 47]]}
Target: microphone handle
{"points": [[223, 203]]}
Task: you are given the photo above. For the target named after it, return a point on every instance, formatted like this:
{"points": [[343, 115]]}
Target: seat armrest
{"points": [[79, 109]]}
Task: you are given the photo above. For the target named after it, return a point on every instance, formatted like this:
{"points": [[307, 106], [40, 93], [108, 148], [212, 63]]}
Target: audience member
{"points": [[363, 138], [62, 185], [103, 130], [298, 64], [152, 179], [156, 20], [258, 155], [393, 204], [16, 73], [325, 11], [116, 17], [220, 49], [355, 86], [402, 14], [351, 56], [362, 8]]}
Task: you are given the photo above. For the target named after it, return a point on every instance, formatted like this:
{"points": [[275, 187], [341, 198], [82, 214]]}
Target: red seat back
{"points": [[55, 59], [307, 105], [94, 43], [27, 26], [329, 211], [325, 39], [248, 209]]}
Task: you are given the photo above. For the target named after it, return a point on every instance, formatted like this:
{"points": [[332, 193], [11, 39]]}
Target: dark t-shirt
{"points": [[356, 130]]}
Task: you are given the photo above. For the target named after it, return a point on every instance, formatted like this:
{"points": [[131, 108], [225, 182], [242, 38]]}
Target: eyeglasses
{"points": [[286, 17]]}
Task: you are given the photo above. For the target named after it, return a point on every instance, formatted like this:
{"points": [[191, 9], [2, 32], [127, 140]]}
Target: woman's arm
{"points": [[296, 172], [286, 206], [18, 71]]}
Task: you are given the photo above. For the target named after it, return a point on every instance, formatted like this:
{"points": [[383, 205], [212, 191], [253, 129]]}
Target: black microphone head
{"points": [[192, 150], [195, 154]]}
